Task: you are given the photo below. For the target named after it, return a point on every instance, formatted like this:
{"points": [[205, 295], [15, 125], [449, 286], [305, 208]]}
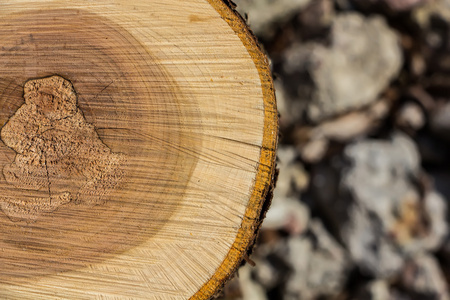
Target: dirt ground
{"points": [[361, 205]]}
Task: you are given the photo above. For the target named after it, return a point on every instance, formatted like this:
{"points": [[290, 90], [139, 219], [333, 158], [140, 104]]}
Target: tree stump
{"points": [[138, 148]]}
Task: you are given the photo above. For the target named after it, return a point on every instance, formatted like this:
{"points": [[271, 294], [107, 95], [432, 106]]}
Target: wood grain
{"points": [[155, 123]]}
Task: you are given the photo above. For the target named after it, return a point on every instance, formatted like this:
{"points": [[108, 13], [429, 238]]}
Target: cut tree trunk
{"points": [[138, 148]]}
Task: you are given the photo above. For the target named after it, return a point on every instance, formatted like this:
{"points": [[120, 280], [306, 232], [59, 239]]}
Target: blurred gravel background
{"points": [[361, 206]]}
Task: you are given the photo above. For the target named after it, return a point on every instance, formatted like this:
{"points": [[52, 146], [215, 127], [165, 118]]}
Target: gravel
{"points": [[361, 206]]}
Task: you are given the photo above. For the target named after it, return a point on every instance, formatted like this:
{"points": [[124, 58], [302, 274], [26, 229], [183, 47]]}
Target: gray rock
{"points": [[314, 150], [251, 290], [381, 171], [370, 246], [313, 141], [354, 124], [436, 9], [319, 265], [364, 56], [411, 116], [382, 180], [287, 214], [377, 207], [423, 279], [435, 209], [264, 14]]}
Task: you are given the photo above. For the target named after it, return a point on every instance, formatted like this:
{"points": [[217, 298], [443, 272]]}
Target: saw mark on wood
{"points": [[57, 150]]}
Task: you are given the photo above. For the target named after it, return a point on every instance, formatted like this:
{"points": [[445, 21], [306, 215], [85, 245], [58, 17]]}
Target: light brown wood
{"points": [[138, 146]]}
